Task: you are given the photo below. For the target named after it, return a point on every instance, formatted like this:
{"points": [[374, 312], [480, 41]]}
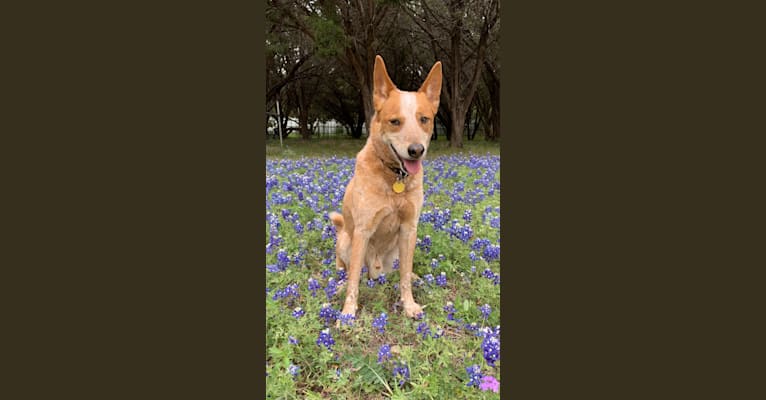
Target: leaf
{"points": [[466, 305]]}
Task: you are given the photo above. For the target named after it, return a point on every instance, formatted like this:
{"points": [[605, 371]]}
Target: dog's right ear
{"points": [[381, 83]]}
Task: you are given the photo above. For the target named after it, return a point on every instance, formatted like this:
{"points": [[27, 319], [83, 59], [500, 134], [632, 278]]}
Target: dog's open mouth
{"points": [[410, 166]]}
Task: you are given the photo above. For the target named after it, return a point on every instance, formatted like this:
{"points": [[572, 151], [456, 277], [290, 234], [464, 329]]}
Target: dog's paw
{"points": [[413, 310], [348, 309]]}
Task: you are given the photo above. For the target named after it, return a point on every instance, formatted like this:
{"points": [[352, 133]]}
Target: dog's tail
{"points": [[336, 219]]}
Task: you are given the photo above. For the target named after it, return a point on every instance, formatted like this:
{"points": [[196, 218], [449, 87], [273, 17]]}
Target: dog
{"points": [[383, 200]]}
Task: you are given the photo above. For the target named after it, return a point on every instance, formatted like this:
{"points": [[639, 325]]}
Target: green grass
{"points": [[295, 147]]}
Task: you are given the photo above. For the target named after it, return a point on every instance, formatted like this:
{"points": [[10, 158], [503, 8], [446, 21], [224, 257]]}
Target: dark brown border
{"points": [[628, 180], [629, 189], [140, 209]]}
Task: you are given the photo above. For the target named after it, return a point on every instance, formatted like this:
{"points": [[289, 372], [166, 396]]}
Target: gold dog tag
{"points": [[398, 186]]}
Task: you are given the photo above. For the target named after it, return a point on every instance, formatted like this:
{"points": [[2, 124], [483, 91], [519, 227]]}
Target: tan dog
{"points": [[382, 203]]}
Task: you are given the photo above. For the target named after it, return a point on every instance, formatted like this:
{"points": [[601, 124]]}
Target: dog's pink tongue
{"points": [[412, 166]]}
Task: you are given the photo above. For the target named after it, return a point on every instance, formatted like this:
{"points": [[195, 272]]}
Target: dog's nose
{"points": [[415, 150]]}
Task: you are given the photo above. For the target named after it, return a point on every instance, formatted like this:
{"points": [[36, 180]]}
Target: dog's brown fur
{"points": [[379, 225]]}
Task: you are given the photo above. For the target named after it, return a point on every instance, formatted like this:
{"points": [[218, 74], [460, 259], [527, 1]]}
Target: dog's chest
{"points": [[390, 224]]}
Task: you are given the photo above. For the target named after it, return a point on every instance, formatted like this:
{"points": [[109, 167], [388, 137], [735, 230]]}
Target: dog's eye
{"points": [[394, 122], [424, 120]]}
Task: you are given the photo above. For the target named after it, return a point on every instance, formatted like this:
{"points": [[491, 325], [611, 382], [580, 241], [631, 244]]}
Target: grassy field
{"points": [[295, 147], [452, 351]]}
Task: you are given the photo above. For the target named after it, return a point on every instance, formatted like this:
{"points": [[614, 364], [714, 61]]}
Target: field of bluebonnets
{"points": [[452, 351]]}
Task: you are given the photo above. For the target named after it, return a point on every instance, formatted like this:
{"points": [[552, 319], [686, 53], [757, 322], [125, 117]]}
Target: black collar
{"points": [[400, 173]]}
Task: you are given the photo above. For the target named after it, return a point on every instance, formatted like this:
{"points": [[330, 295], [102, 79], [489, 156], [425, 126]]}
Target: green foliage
{"points": [[330, 38]]}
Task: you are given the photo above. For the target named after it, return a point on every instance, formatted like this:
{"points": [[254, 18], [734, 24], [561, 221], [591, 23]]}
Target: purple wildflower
{"points": [[489, 383], [347, 319], [401, 372], [380, 322], [474, 375], [325, 339], [328, 313], [441, 280], [382, 279], [384, 353], [298, 312], [371, 283], [491, 347], [313, 286], [423, 329], [331, 289], [450, 309], [292, 340], [485, 310], [294, 370]]}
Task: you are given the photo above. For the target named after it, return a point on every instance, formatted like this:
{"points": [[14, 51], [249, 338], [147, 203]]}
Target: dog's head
{"points": [[405, 120]]}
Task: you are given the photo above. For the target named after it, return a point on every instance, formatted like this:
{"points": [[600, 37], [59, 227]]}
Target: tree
{"points": [[458, 31]]}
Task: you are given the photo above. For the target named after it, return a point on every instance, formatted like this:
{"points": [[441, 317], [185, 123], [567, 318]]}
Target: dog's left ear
{"points": [[432, 87]]}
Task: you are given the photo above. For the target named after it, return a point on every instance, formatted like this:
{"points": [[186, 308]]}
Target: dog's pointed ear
{"points": [[381, 83], [432, 87]]}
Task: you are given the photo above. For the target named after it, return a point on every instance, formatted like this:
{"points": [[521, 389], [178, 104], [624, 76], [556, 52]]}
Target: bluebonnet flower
{"points": [[298, 312], [485, 310], [364, 269], [442, 257], [382, 279], [396, 286], [371, 283], [326, 273], [294, 370], [282, 259], [434, 263], [474, 375], [273, 268], [292, 340], [342, 275], [347, 319], [473, 269], [479, 244], [396, 264], [423, 329], [467, 215], [472, 256], [331, 288], [491, 347], [495, 222], [298, 227], [384, 353], [325, 339], [328, 313], [488, 273], [380, 322], [402, 372], [450, 309], [472, 327], [491, 252], [290, 290], [441, 280], [313, 286], [429, 278], [439, 333], [418, 282]]}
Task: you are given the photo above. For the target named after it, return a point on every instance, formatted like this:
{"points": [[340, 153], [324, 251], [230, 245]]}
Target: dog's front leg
{"points": [[358, 247], [407, 237]]}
